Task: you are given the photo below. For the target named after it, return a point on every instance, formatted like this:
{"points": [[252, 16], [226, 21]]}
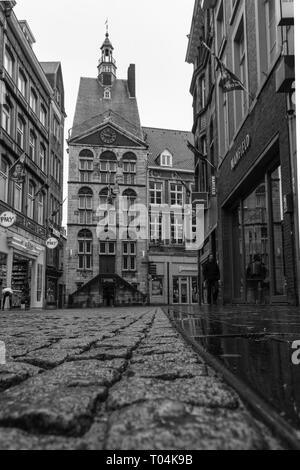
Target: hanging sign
{"points": [[51, 243], [8, 219]]}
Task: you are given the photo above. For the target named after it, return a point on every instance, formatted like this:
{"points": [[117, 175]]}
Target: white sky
{"points": [[151, 34]]}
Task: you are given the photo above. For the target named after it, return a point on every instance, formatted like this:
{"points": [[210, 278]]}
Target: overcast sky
{"points": [[151, 34]]}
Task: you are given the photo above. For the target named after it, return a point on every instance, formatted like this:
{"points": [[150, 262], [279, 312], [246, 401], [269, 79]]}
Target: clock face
{"points": [[108, 136]]}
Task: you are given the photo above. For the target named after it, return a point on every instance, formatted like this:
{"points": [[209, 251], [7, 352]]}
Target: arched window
{"points": [[32, 146], [4, 169], [129, 168], [40, 208], [85, 249], [108, 168], [130, 196], [20, 131], [85, 206], [103, 196], [22, 82], [30, 200], [86, 163], [9, 62]]}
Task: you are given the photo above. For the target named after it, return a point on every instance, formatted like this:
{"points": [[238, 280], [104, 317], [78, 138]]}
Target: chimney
{"points": [[131, 80]]}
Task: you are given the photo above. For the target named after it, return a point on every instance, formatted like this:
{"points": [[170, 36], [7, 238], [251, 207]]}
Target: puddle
{"points": [[261, 358]]}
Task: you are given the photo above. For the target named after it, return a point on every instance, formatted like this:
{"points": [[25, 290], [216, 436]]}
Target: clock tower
{"points": [[107, 70]]}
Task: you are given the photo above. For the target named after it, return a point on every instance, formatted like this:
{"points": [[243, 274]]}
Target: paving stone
{"points": [[119, 342], [165, 424], [15, 439], [81, 372], [49, 358], [75, 343], [166, 370], [106, 353], [180, 359], [65, 411], [117, 364], [198, 391], [14, 373]]}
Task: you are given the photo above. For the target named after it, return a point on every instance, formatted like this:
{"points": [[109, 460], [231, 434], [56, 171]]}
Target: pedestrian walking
{"points": [[211, 275], [7, 292]]}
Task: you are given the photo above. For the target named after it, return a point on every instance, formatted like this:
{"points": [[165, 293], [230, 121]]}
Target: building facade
{"points": [[256, 189], [106, 256], [173, 276], [27, 103], [205, 130]]}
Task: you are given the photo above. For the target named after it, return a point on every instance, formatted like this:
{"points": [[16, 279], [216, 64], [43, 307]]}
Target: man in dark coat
{"points": [[211, 275]]}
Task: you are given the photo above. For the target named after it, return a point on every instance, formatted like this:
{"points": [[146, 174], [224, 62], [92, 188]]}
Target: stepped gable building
{"points": [[173, 270], [31, 128], [105, 257]]}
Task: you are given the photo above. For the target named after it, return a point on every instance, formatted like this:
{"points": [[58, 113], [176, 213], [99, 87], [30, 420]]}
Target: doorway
{"points": [[109, 294], [21, 281], [185, 290]]}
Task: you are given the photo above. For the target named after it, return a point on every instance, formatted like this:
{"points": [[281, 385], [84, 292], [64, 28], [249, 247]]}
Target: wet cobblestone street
{"points": [[118, 379], [256, 344]]}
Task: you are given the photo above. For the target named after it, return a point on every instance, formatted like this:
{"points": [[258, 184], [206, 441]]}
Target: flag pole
{"points": [[220, 65]]}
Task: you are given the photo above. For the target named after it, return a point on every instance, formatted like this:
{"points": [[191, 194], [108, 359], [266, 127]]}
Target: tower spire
{"points": [[107, 69]]}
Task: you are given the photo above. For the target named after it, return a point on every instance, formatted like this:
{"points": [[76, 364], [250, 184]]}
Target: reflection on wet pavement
{"points": [[255, 344]]}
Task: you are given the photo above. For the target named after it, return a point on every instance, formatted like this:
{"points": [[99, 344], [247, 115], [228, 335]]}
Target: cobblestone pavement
{"points": [[114, 379]]}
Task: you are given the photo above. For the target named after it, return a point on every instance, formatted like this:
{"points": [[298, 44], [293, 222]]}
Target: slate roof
{"points": [[92, 109], [172, 140]]}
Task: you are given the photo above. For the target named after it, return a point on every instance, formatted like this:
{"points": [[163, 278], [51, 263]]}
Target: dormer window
{"points": [[166, 159], [107, 94]]}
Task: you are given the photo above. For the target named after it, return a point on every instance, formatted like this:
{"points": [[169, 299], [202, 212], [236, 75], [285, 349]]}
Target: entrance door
{"points": [[185, 290], [108, 294], [107, 258]]}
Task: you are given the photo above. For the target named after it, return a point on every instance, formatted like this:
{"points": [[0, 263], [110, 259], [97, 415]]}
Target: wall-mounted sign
{"points": [[8, 219], [51, 243], [241, 152]]}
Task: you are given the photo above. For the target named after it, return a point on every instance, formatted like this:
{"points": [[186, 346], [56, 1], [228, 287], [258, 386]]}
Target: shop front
{"points": [[258, 252], [22, 267], [175, 282]]}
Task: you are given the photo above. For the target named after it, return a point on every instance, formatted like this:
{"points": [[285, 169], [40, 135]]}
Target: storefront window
{"points": [[258, 257], [157, 286], [195, 297], [277, 227], [21, 280], [39, 282], [176, 290], [3, 270]]}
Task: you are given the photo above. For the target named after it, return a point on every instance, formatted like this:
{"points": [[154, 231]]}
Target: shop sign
{"points": [[7, 219], [241, 152], [56, 233], [51, 243]]}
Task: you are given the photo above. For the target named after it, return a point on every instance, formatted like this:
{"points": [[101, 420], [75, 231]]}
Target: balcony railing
{"points": [[24, 222]]}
